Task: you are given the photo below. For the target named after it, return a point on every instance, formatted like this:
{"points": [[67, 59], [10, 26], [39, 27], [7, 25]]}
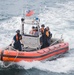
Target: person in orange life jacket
{"points": [[33, 30], [46, 37], [17, 38], [42, 32], [42, 28]]}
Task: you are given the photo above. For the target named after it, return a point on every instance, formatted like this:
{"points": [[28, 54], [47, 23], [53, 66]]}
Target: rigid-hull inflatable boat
{"points": [[31, 50]]}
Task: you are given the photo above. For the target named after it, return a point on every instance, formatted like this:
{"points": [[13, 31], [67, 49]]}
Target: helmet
{"points": [[33, 27], [42, 25], [47, 28], [18, 31]]}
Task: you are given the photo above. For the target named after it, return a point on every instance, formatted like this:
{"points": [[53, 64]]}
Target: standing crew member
{"points": [[17, 38], [42, 28], [42, 33], [46, 37]]}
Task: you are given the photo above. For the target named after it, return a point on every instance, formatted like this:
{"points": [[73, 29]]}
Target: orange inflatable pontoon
{"points": [[38, 55]]}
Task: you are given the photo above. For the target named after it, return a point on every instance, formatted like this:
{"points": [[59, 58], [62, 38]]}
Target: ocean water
{"points": [[57, 14]]}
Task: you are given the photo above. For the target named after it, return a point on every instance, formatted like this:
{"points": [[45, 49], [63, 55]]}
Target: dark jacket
{"points": [[46, 39]]}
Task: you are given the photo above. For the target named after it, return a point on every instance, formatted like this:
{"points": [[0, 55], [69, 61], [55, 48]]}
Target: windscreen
{"points": [[29, 28]]}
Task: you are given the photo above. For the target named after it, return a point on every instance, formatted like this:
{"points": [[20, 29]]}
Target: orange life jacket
{"points": [[42, 30], [47, 34], [17, 38]]}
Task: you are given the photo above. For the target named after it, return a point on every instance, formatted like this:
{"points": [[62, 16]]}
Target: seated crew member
{"points": [[36, 31], [32, 31], [46, 37], [17, 38]]}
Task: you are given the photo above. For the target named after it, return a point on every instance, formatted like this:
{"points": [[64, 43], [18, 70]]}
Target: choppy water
{"points": [[57, 14]]}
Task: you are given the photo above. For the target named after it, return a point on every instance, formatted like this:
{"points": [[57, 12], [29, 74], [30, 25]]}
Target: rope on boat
{"points": [[16, 55], [6, 66]]}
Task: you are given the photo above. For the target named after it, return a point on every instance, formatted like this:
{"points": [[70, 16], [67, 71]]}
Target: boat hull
{"points": [[38, 55]]}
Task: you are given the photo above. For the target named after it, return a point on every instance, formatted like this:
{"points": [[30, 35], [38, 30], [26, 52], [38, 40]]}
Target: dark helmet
{"points": [[42, 25], [18, 31], [33, 27], [47, 28], [36, 28]]}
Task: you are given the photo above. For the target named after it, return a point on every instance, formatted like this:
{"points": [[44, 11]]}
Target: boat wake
{"points": [[61, 65]]}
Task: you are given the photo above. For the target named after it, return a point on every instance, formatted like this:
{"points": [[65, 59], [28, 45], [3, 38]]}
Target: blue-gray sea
{"points": [[58, 15]]}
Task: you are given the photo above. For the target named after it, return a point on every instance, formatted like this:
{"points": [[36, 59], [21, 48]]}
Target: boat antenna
{"points": [[22, 21]]}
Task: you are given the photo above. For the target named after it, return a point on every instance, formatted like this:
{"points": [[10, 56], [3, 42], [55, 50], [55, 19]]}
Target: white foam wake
{"points": [[62, 65]]}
